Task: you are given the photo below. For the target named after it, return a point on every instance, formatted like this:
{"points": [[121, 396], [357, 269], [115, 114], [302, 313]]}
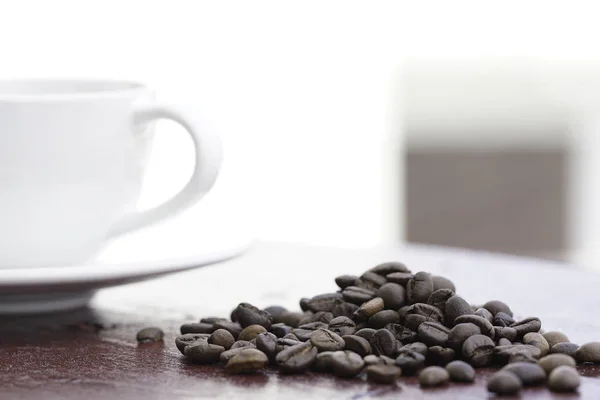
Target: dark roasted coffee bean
{"points": [[248, 315], [343, 281], [505, 332], [356, 295], [289, 318], [276, 311], [346, 364], [280, 329], [410, 362], [322, 316], [251, 331], [302, 334], [228, 354], [504, 383], [389, 268], [504, 342], [368, 309], [384, 343], [385, 360], [439, 298], [342, 326], [486, 327], [438, 355], [383, 373], [551, 361], [323, 302], [343, 309], [419, 347], [461, 332], [460, 371], [357, 344], [440, 282], [382, 318], [212, 320], [203, 352], [456, 306], [326, 340], [323, 361], [283, 343], [402, 333], [537, 340], [365, 333], [291, 336], [401, 278], [483, 313], [564, 379], [151, 334], [221, 337], [189, 338], [522, 356], [419, 288], [433, 376], [196, 327], [267, 343], [242, 343], [304, 304], [412, 321], [554, 337], [313, 326], [297, 358], [430, 312], [402, 313], [393, 295], [502, 319], [478, 350], [496, 306], [247, 361], [433, 333], [588, 353], [503, 353], [529, 373], [526, 326], [307, 318], [567, 348], [370, 280]]}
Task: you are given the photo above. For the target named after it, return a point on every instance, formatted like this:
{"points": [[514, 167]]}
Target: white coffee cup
{"points": [[66, 174]]}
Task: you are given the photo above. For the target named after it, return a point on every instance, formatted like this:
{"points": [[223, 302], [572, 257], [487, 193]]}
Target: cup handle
{"points": [[209, 155]]}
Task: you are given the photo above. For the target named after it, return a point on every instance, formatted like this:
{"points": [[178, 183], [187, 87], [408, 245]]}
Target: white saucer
{"points": [[193, 239]]}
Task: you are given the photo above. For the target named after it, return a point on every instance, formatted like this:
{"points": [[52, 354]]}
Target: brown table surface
{"points": [[92, 353]]}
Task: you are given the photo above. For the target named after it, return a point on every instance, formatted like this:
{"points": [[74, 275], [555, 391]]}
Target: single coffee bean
{"points": [[343, 309], [530, 374], [478, 350], [402, 313], [438, 355], [356, 295], [212, 320], [460, 371], [291, 336], [412, 321], [383, 373], [343, 281], [357, 344], [502, 319], [322, 316], [346, 364], [503, 353], [203, 352], [280, 329], [326, 340], [588, 353], [371, 281], [384, 343], [554, 337], [267, 343], [504, 342], [181, 342], [484, 325], [365, 333], [289, 318], [526, 326], [385, 360], [505, 332], [522, 356], [410, 362], [303, 334], [564, 379], [297, 358], [232, 327], [496, 306], [228, 354], [307, 318], [342, 326], [439, 298], [440, 282], [504, 383], [323, 361], [247, 361], [393, 295], [196, 327], [323, 302], [248, 315], [551, 361], [304, 304], [151, 334], [459, 333], [483, 313], [368, 309], [241, 343], [251, 331], [433, 333], [401, 278], [389, 268], [221, 337], [433, 376], [382, 318], [402, 333], [430, 312], [537, 340], [419, 347], [456, 306], [276, 310], [282, 344], [371, 359], [567, 348], [419, 288]]}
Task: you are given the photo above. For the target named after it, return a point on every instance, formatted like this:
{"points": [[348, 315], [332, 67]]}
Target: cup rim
{"points": [[60, 89]]}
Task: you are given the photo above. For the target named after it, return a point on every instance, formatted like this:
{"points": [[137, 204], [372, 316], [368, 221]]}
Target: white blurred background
{"points": [[353, 124]]}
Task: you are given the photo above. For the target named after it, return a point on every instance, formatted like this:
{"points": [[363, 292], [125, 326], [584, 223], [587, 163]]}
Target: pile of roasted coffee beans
{"points": [[385, 324]]}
